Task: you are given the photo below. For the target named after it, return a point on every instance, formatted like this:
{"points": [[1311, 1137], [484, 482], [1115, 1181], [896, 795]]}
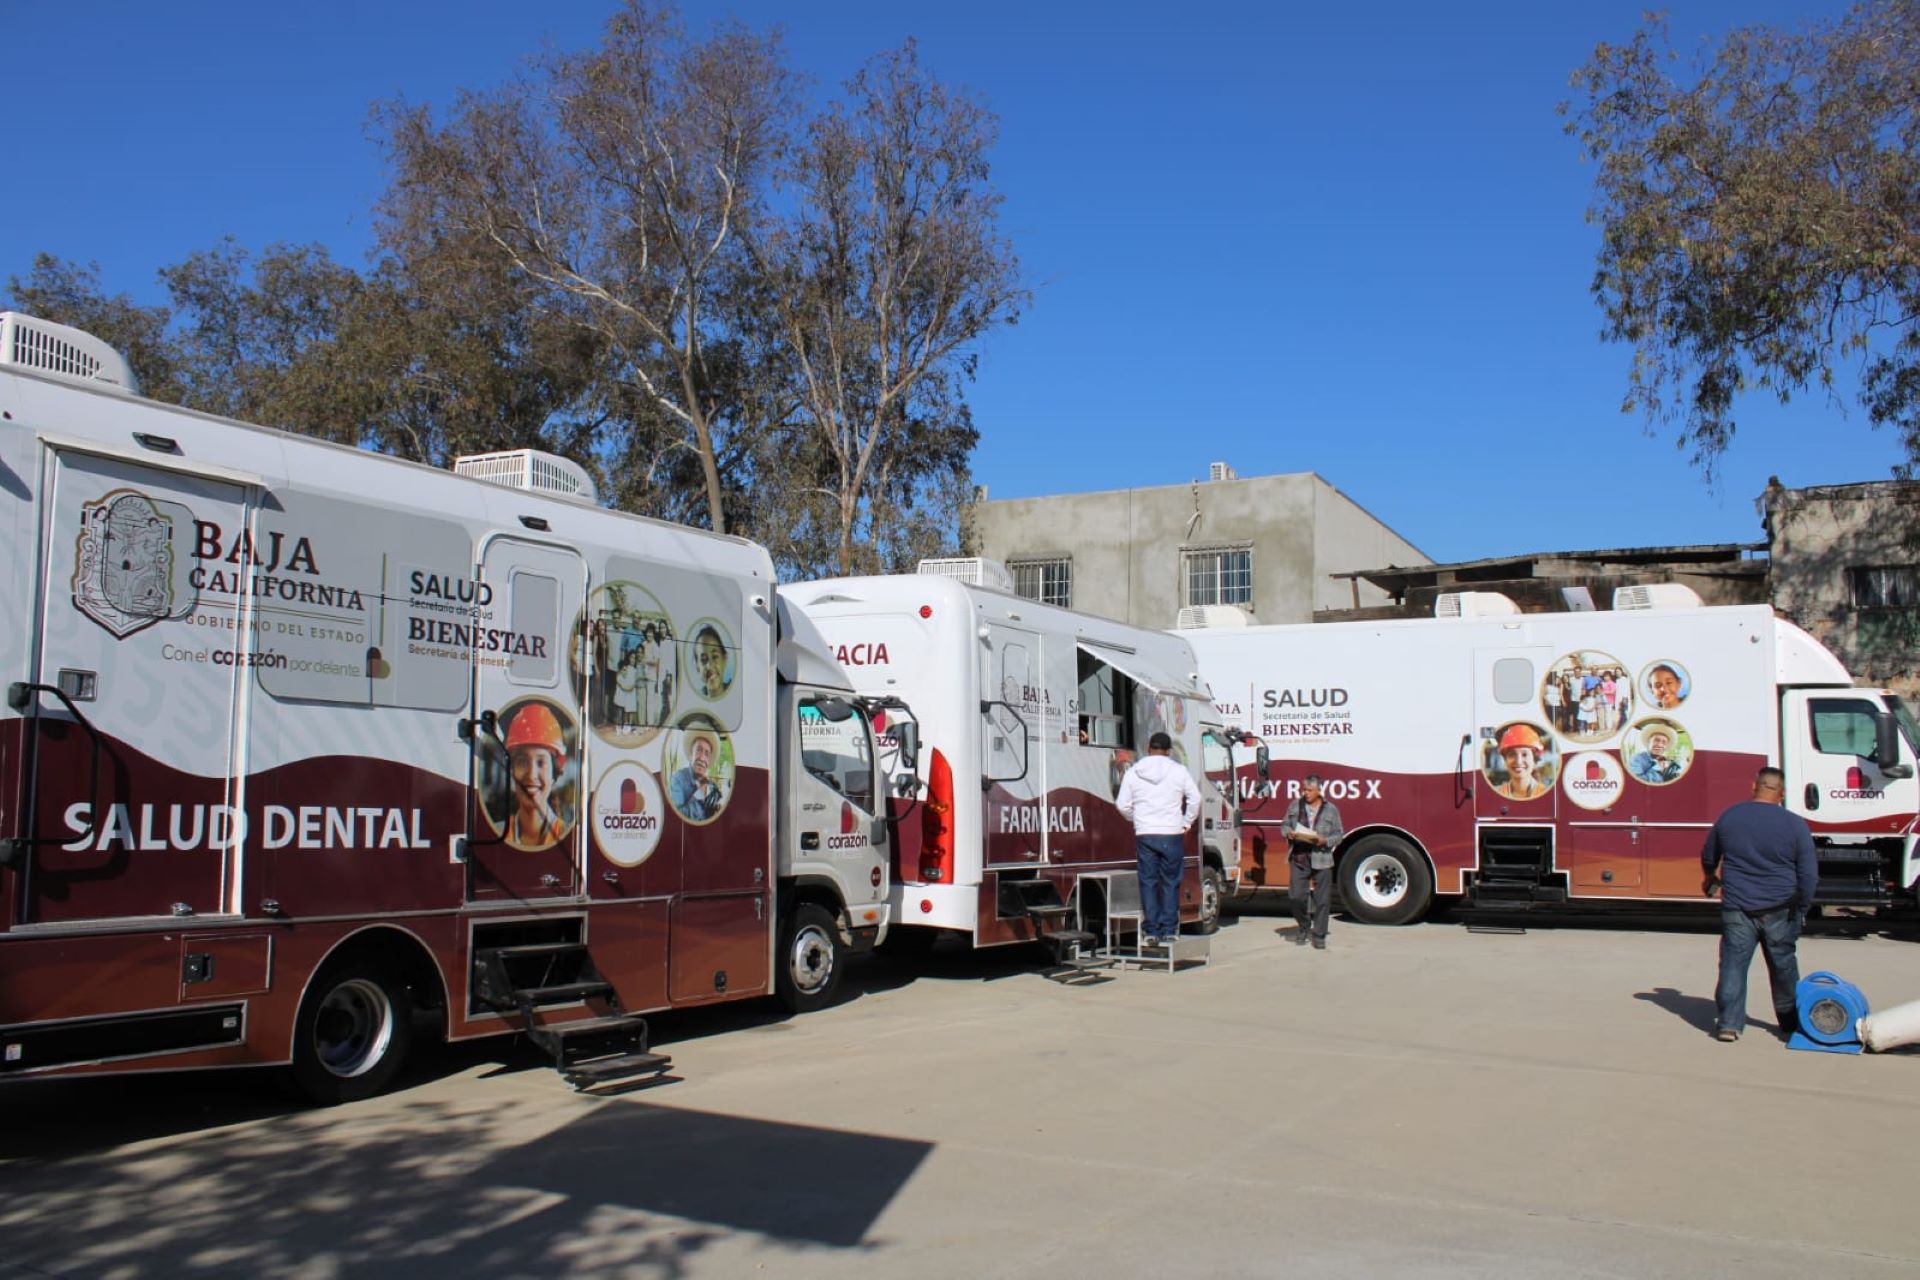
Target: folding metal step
{"points": [[588, 1052], [563, 993]]}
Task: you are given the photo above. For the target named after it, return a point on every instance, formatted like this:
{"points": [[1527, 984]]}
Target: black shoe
{"points": [[1319, 944], [1299, 937]]}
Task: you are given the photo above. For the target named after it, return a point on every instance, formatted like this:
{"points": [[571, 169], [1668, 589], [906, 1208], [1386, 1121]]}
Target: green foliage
{"points": [[1760, 218]]}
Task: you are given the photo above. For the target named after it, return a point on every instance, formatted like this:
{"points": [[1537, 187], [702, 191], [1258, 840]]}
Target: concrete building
{"points": [[1268, 544], [1846, 566]]}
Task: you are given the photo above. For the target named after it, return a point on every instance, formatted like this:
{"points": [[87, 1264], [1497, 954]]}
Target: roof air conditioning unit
{"points": [[1474, 604], [532, 470], [28, 342], [1221, 471], [1195, 617], [978, 570], [1656, 595]]}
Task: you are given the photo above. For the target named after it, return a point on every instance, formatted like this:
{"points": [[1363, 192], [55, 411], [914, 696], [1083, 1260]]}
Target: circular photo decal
{"points": [[1177, 714], [1519, 761], [711, 659], [1658, 751], [1583, 695], [1592, 779], [1664, 685], [1117, 766], [627, 813], [530, 774], [625, 664], [698, 765]]}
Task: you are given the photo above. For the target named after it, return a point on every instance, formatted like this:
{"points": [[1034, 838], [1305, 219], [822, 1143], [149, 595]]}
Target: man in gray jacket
{"points": [[1313, 830]]}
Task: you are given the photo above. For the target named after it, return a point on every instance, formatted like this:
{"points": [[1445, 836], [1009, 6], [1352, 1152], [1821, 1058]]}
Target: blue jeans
{"points": [[1775, 932], [1160, 860]]}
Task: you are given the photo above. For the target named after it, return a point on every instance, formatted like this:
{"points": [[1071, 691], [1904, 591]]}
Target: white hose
{"points": [[1891, 1028]]}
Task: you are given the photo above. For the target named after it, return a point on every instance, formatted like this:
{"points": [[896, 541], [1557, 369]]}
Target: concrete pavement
{"points": [[1412, 1102]]}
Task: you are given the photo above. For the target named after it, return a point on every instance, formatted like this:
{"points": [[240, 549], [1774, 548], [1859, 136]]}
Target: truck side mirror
{"points": [[1262, 763], [1886, 747], [907, 734]]}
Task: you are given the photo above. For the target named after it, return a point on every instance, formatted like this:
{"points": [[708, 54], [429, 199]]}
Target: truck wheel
{"points": [[1213, 897], [353, 1032], [811, 957], [1384, 880]]}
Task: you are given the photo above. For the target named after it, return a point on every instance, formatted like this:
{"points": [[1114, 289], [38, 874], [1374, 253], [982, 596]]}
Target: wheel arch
{"points": [[403, 952], [1355, 836], [821, 891]]}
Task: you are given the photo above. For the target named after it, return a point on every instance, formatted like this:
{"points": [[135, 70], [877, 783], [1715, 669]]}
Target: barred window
{"points": [[1886, 587], [1222, 575], [1048, 581]]}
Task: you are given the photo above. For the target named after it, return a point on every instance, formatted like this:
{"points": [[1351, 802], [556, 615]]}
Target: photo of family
{"points": [[625, 664], [1519, 761], [1664, 685], [1587, 696], [1657, 752], [529, 774], [698, 766]]}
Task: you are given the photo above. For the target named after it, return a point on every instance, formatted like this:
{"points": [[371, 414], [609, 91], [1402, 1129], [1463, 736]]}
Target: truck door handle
{"points": [[1813, 795]]}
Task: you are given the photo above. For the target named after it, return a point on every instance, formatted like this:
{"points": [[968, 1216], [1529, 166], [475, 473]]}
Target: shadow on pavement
{"points": [[438, 1187]]}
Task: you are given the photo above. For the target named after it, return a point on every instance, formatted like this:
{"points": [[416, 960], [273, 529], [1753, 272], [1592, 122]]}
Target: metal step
{"points": [[573, 1043], [563, 993], [531, 950], [1061, 937], [626, 1066]]}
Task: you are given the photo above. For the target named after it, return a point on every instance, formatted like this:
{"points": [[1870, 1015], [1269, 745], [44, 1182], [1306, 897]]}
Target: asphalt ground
{"points": [[1428, 1101]]}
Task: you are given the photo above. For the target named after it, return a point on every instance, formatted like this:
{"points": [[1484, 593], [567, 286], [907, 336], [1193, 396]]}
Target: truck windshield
{"points": [[1909, 724]]}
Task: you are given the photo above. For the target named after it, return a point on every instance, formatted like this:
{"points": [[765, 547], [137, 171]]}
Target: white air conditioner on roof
{"points": [[532, 470], [1656, 595], [1195, 617], [978, 570], [1474, 604], [28, 342]]}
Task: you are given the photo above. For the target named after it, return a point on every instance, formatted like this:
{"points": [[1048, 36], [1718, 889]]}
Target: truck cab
{"points": [[1850, 757], [1219, 819]]}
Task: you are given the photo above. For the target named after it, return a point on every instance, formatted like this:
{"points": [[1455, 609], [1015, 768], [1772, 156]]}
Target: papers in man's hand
{"points": [[1299, 832]]}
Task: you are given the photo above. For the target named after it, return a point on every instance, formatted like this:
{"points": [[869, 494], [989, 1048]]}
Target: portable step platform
{"points": [[589, 1053], [1071, 947]]}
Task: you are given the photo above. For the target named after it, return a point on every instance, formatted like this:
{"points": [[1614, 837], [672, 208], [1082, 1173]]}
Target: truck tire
{"points": [[1384, 880], [354, 1030], [1213, 900], [811, 958]]}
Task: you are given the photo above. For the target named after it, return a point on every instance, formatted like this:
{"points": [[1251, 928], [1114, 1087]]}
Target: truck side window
{"points": [[1513, 681], [1215, 761], [1842, 726], [837, 752], [535, 612], [1106, 704]]}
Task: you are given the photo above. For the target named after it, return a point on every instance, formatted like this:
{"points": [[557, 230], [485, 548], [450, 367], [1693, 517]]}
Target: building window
{"points": [[1048, 581], [1221, 575], [1887, 587]]}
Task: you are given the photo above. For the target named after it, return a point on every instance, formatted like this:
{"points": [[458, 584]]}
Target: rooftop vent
{"points": [[1195, 617], [1474, 604], [532, 470], [1656, 595], [978, 570], [1221, 471], [28, 342]]}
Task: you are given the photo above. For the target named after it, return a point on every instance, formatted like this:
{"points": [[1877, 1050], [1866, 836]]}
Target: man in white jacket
{"points": [[1159, 798]]}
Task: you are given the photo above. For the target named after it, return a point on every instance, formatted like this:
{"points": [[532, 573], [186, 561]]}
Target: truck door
{"points": [[132, 781], [524, 836], [1827, 750], [1014, 817], [838, 796]]}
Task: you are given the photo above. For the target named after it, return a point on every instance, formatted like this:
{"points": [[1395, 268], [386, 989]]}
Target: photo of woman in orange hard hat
{"points": [[537, 808], [1518, 760]]}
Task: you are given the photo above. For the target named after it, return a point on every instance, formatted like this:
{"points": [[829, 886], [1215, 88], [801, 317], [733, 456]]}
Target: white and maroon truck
{"points": [[1029, 715], [1562, 758], [299, 739]]}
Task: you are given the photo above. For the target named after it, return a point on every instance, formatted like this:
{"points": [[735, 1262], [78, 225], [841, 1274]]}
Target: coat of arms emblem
{"points": [[123, 563]]}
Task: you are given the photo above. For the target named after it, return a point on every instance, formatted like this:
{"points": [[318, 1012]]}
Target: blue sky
{"points": [[1346, 239]]}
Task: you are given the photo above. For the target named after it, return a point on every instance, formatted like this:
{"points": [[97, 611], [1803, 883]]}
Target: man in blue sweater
{"points": [[1765, 859]]}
